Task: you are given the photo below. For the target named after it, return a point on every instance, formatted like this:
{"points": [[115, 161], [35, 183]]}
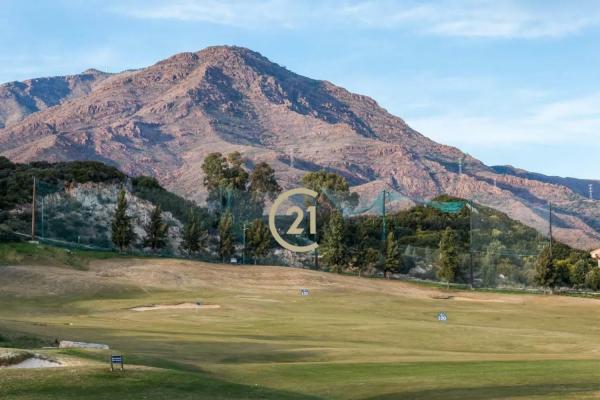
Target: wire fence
{"points": [[492, 247]]}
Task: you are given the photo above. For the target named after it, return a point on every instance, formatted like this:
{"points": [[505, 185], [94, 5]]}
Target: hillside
{"points": [[164, 119], [76, 203]]}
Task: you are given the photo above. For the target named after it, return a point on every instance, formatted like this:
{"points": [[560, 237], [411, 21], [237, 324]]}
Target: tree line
{"points": [[362, 245]]}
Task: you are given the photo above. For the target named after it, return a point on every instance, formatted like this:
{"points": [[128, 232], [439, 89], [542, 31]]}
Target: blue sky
{"points": [[509, 82]]}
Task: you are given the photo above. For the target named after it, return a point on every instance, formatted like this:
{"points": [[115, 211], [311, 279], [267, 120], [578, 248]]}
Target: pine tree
{"points": [[156, 230], [193, 235], [547, 274], [226, 244], [333, 248], [258, 239], [393, 256], [449, 260], [122, 230]]}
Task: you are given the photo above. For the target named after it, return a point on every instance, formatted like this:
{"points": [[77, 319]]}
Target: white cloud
{"points": [[233, 13], [461, 18], [570, 121]]}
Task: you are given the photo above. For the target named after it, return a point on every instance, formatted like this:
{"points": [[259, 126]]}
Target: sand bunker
{"points": [[35, 362], [486, 298], [180, 306]]}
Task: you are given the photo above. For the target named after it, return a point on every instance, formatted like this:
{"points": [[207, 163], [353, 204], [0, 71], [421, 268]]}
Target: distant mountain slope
{"points": [[579, 186], [19, 99], [162, 120]]}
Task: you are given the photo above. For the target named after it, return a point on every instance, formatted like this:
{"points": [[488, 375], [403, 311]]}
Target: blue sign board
{"points": [[116, 360]]}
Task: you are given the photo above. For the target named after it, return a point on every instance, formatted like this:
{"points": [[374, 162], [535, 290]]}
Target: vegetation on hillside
{"points": [[428, 241]]}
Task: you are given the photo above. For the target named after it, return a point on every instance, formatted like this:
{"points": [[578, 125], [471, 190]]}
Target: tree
{"points": [[263, 183], [214, 167], [393, 257], [370, 259], [333, 247], [156, 230], [193, 236], [592, 279], [333, 194], [258, 240], [546, 273], [333, 186], [226, 244], [578, 272], [224, 176], [489, 263], [122, 230], [236, 175], [449, 259]]}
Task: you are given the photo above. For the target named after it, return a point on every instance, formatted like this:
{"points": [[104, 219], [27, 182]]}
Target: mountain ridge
{"points": [[162, 120]]}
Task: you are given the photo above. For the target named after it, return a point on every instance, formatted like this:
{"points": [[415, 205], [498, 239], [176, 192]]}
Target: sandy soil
{"points": [[175, 307], [35, 362]]}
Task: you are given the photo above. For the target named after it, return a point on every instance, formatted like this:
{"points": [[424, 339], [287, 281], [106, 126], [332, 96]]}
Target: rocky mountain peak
{"points": [[164, 119]]}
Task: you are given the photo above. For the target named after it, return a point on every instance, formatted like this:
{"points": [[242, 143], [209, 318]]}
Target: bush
{"points": [[592, 279]]}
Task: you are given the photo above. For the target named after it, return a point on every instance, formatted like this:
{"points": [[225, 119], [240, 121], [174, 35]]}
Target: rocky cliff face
{"points": [[83, 213], [164, 119]]}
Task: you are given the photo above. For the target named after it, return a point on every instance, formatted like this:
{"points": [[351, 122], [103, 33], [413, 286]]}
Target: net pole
{"points": [[550, 226], [42, 220], [33, 212], [316, 237], [383, 233], [471, 243]]}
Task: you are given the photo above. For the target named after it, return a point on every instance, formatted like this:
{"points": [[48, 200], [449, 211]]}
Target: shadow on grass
{"points": [[100, 384], [494, 392]]}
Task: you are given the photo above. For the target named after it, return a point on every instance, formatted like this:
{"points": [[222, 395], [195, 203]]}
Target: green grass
{"points": [[350, 339], [22, 253], [100, 383]]}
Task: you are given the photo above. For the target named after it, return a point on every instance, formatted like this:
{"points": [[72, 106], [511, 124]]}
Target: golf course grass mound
{"points": [[350, 338]]}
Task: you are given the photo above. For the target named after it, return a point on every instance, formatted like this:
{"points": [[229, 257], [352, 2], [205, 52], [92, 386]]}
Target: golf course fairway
{"points": [[256, 337]]}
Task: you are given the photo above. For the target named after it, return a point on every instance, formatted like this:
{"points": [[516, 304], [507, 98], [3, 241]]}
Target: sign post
{"points": [[116, 360]]}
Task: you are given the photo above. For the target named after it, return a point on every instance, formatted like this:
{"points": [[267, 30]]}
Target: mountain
{"points": [[164, 119], [19, 99], [579, 186]]}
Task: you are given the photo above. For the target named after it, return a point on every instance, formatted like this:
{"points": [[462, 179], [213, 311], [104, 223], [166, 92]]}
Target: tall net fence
{"points": [[505, 250], [491, 247]]}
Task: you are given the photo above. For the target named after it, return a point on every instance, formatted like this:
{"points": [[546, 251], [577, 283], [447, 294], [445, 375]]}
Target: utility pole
{"points": [[33, 212], [244, 248], [42, 230], [316, 239], [550, 228], [383, 229], [471, 244]]}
